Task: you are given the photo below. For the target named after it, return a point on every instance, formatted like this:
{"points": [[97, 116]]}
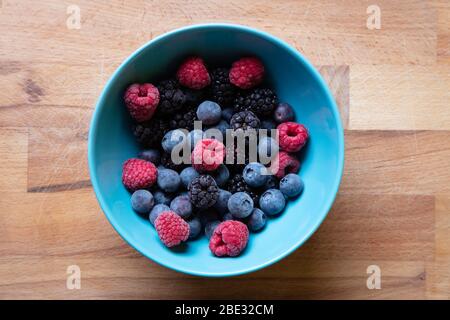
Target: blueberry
{"points": [[227, 113], [182, 206], [222, 126], [168, 180], [194, 136], [171, 139], [187, 175], [195, 227], [210, 227], [221, 204], [271, 183], [221, 175], [272, 202], [156, 211], [283, 113], [162, 198], [152, 155], [267, 148], [240, 205], [257, 220], [209, 112], [291, 185], [142, 201], [255, 174]]}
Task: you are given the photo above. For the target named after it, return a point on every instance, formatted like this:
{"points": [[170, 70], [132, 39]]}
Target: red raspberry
{"points": [[141, 101], [247, 72], [292, 136], [171, 228], [229, 238], [193, 73], [138, 174], [208, 155], [283, 164]]}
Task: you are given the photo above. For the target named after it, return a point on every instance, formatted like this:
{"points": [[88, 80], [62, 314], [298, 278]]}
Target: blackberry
{"points": [[237, 184], [183, 120], [171, 97], [260, 101], [222, 91], [166, 161], [244, 120], [203, 191], [150, 133]]}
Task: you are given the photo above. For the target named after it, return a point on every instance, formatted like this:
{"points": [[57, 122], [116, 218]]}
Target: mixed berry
{"points": [[189, 180]]}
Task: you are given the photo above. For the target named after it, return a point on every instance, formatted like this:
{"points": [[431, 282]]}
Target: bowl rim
{"points": [[231, 27]]}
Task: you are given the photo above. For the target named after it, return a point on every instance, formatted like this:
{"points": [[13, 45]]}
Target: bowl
{"points": [[294, 79]]}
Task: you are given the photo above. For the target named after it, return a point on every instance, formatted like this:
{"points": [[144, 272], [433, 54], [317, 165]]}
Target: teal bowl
{"points": [[295, 81]]}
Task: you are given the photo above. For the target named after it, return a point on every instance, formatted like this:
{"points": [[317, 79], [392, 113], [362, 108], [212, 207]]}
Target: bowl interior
{"points": [[111, 143]]}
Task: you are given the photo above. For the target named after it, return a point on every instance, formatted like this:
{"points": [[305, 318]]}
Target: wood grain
{"points": [[392, 88]]}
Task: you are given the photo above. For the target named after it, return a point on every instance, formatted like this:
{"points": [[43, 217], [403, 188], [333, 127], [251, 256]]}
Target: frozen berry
{"points": [[272, 202], [267, 148], [182, 206], [247, 72], [284, 163], [172, 139], [138, 174], [193, 73], [260, 101], [187, 175], [209, 112], [141, 101], [162, 197], [222, 127], [195, 227], [283, 113], [228, 216], [156, 211], [208, 155], [172, 98], [268, 125], [229, 239], [210, 227], [240, 205], [221, 175], [244, 120], [168, 180], [271, 183], [222, 201], [255, 174], [222, 91], [257, 220], [142, 201], [171, 228], [227, 114], [291, 185], [152, 155], [292, 136], [203, 192]]}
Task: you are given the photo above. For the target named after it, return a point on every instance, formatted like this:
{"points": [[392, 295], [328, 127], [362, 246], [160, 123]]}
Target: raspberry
{"points": [[138, 174], [171, 228], [208, 155], [247, 72], [283, 164], [229, 238], [193, 73], [141, 101], [292, 136]]}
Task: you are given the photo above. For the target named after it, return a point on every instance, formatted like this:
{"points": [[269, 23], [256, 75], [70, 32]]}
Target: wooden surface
{"points": [[393, 208]]}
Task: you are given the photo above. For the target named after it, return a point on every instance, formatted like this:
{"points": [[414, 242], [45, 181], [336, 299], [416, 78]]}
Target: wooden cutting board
{"points": [[392, 86]]}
